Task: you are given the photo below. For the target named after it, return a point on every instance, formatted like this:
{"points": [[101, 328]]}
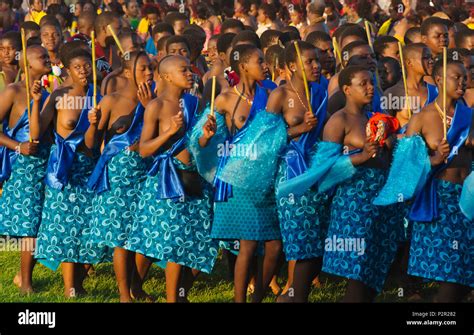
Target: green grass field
{"points": [[101, 286]]}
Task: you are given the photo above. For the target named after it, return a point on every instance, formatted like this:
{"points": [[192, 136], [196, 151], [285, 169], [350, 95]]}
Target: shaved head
{"points": [[31, 52], [171, 62], [413, 50]]}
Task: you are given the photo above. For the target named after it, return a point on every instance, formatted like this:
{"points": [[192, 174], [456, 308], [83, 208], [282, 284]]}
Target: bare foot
{"points": [[317, 283], [125, 299], [276, 289], [250, 289], [141, 295], [17, 280]]}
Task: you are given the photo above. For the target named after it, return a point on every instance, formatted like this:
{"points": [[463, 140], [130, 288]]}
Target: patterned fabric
{"points": [[114, 210], [64, 234], [362, 241], [303, 221], [174, 231], [443, 250], [21, 204], [247, 215]]}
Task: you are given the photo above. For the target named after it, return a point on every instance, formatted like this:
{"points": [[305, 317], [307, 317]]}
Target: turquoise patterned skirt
{"points": [[21, 204], [177, 232], [303, 221], [248, 215], [443, 250], [65, 234], [115, 210], [362, 240]]}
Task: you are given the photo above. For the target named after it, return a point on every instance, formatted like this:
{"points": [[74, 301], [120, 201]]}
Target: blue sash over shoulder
{"points": [[328, 168], [61, 159], [432, 94], [408, 173], [21, 133], [223, 190], [296, 156], [425, 207], [207, 158], [99, 180], [170, 186]]}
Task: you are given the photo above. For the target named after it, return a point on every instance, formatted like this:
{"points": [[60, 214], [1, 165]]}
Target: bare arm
{"points": [[99, 120], [210, 127], [35, 111], [7, 97]]}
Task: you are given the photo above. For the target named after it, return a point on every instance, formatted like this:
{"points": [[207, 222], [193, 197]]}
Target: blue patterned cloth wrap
{"points": [[170, 228], [174, 231], [362, 240], [21, 204], [442, 250], [116, 210], [250, 212], [65, 232], [304, 219], [116, 179]]}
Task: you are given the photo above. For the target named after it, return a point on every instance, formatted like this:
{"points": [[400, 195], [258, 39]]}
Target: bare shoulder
{"points": [[154, 108], [334, 130], [223, 98]]}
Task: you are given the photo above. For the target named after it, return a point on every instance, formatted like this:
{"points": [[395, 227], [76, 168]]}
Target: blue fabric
{"points": [[296, 154], [362, 241], [425, 207], [170, 186], [247, 215], [21, 133], [21, 203], [116, 210], [324, 83], [99, 180], [442, 250], [268, 84], [466, 202], [150, 47], [61, 160], [325, 158], [432, 93], [65, 231], [303, 220], [207, 158], [223, 191], [174, 231], [253, 161], [408, 173]]}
